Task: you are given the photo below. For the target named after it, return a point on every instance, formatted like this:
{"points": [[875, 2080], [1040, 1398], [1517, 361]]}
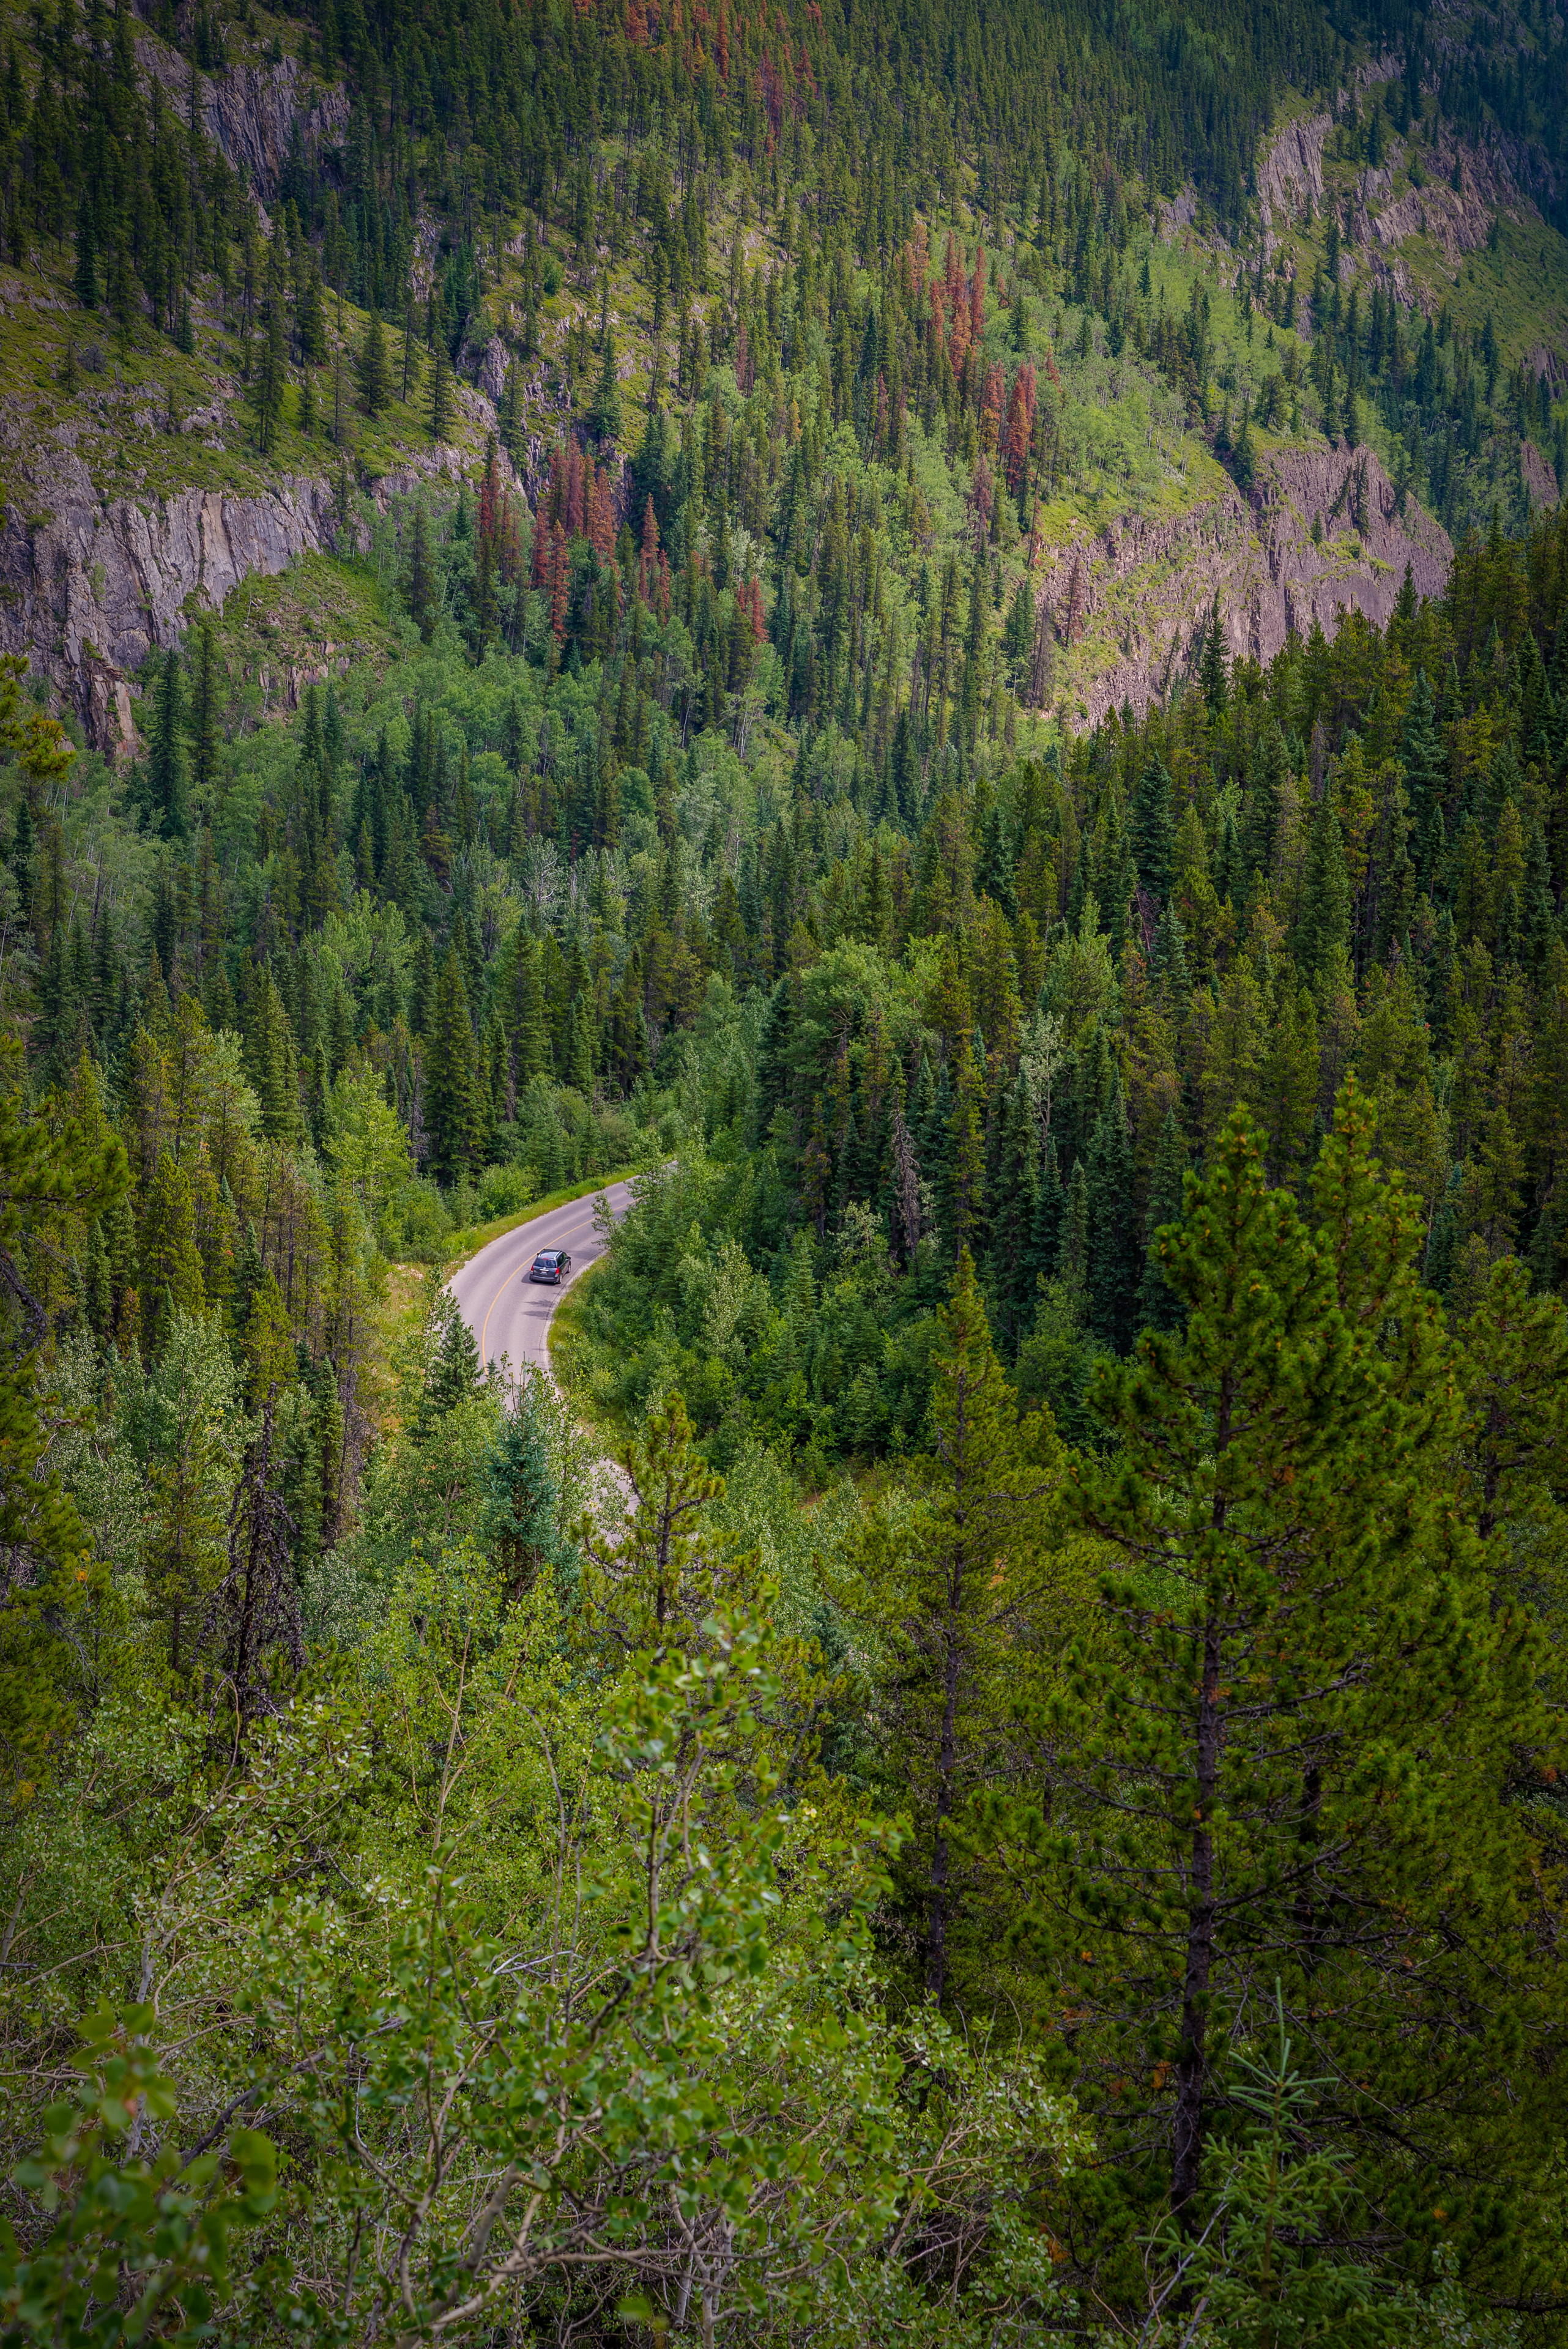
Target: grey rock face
{"points": [[93, 588], [1155, 582], [249, 112]]}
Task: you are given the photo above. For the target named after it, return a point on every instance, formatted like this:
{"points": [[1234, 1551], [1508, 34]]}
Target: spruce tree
{"points": [[421, 575], [439, 421], [204, 701], [1267, 773], [371, 367], [1154, 831], [1115, 1256], [1292, 1609], [605, 414], [963, 1576], [171, 1279], [964, 1157], [1046, 1232], [272, 370], [1426, 776], [85, 280], [1159, 1306], [1323, 923], [1213, 675], [451, 1105], [166, 750]]}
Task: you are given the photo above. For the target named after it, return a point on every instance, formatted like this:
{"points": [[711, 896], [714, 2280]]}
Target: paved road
{"points": [[508, 1313]]}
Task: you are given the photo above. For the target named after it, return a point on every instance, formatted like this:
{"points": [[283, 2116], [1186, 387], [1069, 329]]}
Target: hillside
{"points": [[946, 630], [1287, 266]]}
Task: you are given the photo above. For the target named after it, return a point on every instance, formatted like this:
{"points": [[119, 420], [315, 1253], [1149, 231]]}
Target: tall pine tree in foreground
{"points": [[1292, 1733], [954, 1590], [451, 1105]]}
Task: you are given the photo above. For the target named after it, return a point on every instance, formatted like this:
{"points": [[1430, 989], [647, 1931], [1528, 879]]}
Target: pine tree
{"points": [[1154, 831], [166, 749], [439, 420], [171, 1279], [1159, 1306], [654, 1590], [451, 1102], [375, 389], [85, 281], [1114, 1257], [963, 1577], [1295, 1606]]}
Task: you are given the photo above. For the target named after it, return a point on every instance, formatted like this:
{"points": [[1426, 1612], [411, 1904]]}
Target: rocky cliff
{"points": [[1448, 192], [88, 588], [251, 113], [1128, 608]]}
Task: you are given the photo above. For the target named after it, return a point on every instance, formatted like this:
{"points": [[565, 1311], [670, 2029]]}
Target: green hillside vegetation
{"points": [[1033, 1810]]}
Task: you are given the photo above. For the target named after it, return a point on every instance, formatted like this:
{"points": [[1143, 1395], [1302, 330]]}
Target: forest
{"points": [[982, 1763]]}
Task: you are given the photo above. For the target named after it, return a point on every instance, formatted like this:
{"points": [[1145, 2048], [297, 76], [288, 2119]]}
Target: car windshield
{"points": [[546, 1255]]}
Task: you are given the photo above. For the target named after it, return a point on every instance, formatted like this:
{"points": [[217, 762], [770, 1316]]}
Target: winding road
{"points": [[508, 1313]]}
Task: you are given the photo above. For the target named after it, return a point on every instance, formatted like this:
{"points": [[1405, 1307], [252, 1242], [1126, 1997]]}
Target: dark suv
{"points": [[550, 1264]]}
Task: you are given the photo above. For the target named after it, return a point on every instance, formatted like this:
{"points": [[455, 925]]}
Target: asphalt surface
{"points": [[510, 1314]]}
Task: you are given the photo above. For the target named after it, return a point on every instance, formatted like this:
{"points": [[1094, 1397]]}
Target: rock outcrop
{"points": [[1138, 597], [88, 588], [1495, 175], [251, 113], [1290, 173]]}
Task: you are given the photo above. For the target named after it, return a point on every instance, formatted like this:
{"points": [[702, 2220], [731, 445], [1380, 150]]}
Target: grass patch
{"points": [[303, 618]]}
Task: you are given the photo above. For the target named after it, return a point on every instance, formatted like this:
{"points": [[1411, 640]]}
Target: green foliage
{"points": [[128, 2243]]}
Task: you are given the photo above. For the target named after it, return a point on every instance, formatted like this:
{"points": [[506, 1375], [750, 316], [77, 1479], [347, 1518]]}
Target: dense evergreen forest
{"points": [[1028, 1806]]}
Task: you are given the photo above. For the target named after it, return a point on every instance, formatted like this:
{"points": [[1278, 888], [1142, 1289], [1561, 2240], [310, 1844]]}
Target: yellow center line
{"points": [[484, 1333]]}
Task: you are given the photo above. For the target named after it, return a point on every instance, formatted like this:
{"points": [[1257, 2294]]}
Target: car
{"points": [[550, 1264]]}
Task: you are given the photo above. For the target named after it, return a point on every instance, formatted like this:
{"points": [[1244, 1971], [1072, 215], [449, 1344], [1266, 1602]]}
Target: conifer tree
{"points": [[1426, 776], [204, 699], [371, 367], [522, 1522], [421, 575], [85, 281], [1159, 1306], [964, 1158], [452, 1103], [1266, 777], [166, 749], [439, 421], [1323, 923], [959, 1584], [172, 1280], [1154, 831], [1213, 676], [1045, 1234], [1294, 1604], [1114, 1257], [604, 413], [271, 369]]}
